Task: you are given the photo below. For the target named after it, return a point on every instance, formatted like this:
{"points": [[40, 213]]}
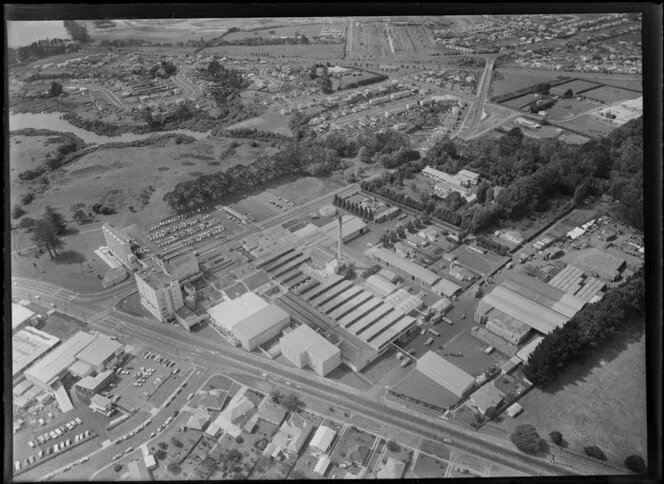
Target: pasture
{"points": [[591, 125], [568, 108], [576, 85], [610, 94], [601, 401], [293, 30]]}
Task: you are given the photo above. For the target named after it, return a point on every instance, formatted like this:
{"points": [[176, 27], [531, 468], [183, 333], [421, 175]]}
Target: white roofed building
{"points": [[305, 347], [322, 439], [445, 374]]}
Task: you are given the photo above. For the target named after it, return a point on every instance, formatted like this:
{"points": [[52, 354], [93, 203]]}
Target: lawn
{"points": [[610, 94], [591, 126], [576, 85], [427, 467], [566, 108], [520, 102], [600, 402]]}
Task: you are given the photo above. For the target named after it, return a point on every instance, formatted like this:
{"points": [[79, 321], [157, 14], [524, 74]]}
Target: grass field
{"points": [[308, 30], [566, 108], [575, 85], [505, 82], [269, 121], [610, 94], [598, 402], [591, 125], [313, 51], [520, 102]]}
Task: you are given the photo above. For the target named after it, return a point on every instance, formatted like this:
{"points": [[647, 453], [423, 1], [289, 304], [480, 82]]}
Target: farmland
{"points": [[610, 94], [591, 125], [596, 400], [520, 102], [295, 30]]}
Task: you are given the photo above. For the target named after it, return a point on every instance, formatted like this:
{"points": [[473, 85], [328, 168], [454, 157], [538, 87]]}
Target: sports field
{"points": [[600, 402]]}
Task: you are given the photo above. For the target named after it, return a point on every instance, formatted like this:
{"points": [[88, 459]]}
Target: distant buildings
{"points": [[305, 347], [446, 183]]}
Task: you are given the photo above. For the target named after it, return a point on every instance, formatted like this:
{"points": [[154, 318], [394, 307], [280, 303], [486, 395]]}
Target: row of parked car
{"points": [[58, 447], [159, 359], [55, 433]]}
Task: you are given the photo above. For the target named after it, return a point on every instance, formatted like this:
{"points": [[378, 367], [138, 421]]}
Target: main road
{"points": [[474, 114], [219, 356]]}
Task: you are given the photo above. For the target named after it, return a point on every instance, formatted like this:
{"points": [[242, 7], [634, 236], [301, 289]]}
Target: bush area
{"points": [[526, 439], [587, 329]]}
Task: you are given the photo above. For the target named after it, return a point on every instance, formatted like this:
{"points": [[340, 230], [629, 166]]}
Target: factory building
{"points": [[445, 374], [574, 281], [305, 347], [528, 301], [183, 266], [21, 317], [603, 265], [84, 352], [119, 245], [445, 288], [28, 345], [351, 228], [502, 324], [405, 268], [249, 319], [159, 292]]}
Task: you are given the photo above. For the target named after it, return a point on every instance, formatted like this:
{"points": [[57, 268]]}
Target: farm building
{"points": [[445, 373], [602, 264], [250, 319], [305, 347], [486, 397], [407, 269]]}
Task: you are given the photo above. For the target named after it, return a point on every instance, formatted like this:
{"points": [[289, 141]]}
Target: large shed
{"points": [[445, 373]]}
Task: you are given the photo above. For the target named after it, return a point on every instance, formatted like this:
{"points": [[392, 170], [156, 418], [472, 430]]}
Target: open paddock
{"points": [[591, 125], [576, 85], [299, 51], [610, 94], [568, 108], [295, 30], [520, 102], [504, 82]]}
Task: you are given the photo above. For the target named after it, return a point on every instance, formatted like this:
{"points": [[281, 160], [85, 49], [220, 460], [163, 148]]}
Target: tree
{"points": [[526, 439], [176, 443], [293, 403], [55, 219], [26, 223], [635, 463], [556, 438], [163, 445], [568, 94], [594, 451], [239, 439], [17, 212], [77, 31], [206, 468], [160, 454], [117, 467], [364, 155], [393, 446], [55, 90], [173, 468], [44, 236]]}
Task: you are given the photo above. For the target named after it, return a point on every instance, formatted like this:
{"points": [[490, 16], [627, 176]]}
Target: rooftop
{"points": [[60, 358], [229, 313], [20, 314], [486, 396], [411, 268], [28, 345], [259, 321], [445, 373], [305, 339], [98, 350]]}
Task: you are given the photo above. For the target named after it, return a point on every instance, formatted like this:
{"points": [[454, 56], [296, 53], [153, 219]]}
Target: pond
{"points": [[54, 122]]}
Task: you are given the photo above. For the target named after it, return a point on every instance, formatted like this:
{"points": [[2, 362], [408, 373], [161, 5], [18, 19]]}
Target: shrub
{"points": [[526, 439], [160, 454], [177, 443], [635, 463], [117, 467], [173, 468], [594, 451], [28, 198], [556, 438], [18, 211], [239, 439], [393, 446], [163, 445]]}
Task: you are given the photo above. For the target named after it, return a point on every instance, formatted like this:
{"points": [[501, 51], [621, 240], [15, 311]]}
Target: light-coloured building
{"points": [[119, 245], [21, 316], [28, 345], [393, 469], [159, 293], [467, 177], [322, 439], [486, 397], [405, 268], [305, 347], [182, 266], [446, 288], [445, 373], [502, 324], [351, 228]]}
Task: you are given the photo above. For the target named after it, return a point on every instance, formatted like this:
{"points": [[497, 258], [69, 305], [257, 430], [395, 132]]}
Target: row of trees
{"points": [[77, 31], [590, 327], [41, 49], [291, 402], [47, 230], [354, 208], [494, 245], [307, 157]]}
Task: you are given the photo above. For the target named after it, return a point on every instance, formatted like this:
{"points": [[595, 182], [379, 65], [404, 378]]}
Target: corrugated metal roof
{"points": [[446, 288], [380, 285], [60, 358], [98, 350], [408, 267], [445, 373], [525, 352], [29, 344], [20, 314]]}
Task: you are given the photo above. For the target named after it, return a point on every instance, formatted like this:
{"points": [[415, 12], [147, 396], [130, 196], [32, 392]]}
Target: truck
{"points": [[433, 332], [399, 355], [448, 320], [428, 342], [405, 363]]}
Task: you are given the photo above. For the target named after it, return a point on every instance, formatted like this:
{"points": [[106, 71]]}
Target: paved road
{"points": [[474, 114], [213, 355]]}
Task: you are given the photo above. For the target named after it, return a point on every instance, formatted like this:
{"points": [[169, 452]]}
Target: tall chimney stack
{"points": [[339, 239]]}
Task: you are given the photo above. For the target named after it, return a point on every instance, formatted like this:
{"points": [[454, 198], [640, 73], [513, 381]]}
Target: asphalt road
{"points": [[220, 357]]}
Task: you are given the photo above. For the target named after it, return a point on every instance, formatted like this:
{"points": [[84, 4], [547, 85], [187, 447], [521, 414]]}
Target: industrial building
{"points": [[409, 270], [119, 245], [351, 228], [84, 352], [28, 345], [387, 214], [159, 292], [574, 281], [528, 301], [305, 347], [21, 317], [445, 374], [445, 288], [90, 385], [603, 265], [249, 319], [504, 325], [182, 266]]}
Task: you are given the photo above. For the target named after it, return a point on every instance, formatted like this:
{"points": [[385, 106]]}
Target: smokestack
{"points": [[339, 240]]}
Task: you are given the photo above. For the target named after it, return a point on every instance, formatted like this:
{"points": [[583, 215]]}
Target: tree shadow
{"points": [[578, 371], [70, 257], [71, 230]]}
